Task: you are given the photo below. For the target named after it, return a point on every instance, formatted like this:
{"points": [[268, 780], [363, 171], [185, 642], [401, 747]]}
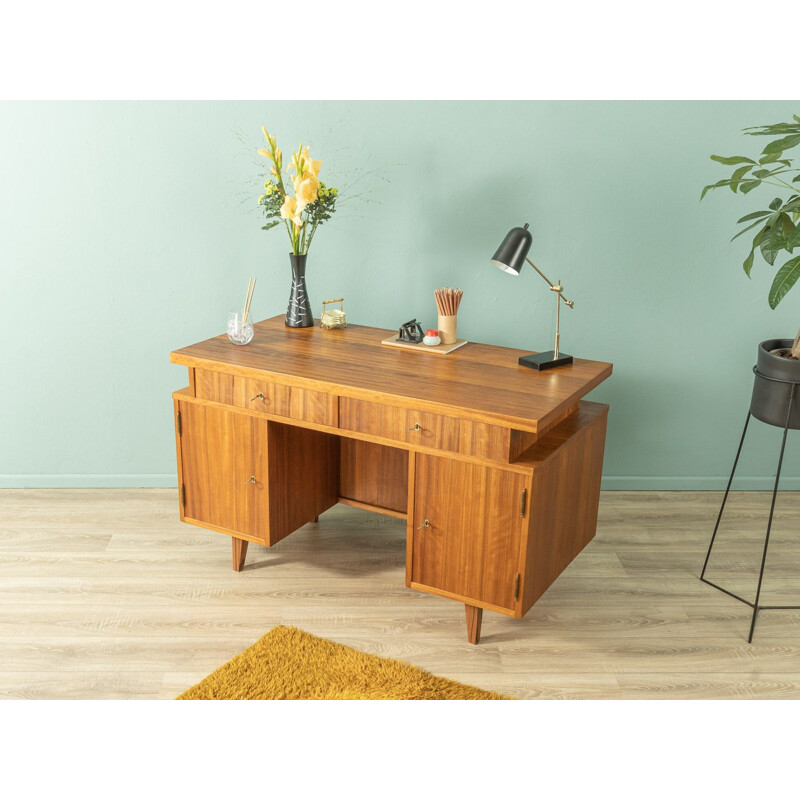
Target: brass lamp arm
{"points": [[551, 284]]}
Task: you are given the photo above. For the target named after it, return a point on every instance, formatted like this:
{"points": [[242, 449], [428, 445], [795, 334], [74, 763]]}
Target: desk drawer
{"points": [[424, 428], [261, 395]]}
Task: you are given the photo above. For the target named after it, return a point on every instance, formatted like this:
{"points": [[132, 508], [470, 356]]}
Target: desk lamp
{"points": [[510, 256]]}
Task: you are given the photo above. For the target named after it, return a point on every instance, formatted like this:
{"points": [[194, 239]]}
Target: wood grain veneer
{"points": [[261, 395], [474, 619], [425, 429], [239, 553], [221, 451], [479, 382], [470, 545], [567, 466], [374, 475], [303, 477]]}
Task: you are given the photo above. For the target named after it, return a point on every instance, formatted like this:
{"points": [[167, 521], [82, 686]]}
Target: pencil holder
{"points": [[447, 328]]}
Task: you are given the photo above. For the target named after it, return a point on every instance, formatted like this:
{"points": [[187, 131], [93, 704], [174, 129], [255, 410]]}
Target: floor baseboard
{"points": [[84, 481], [611, 483], [617, 483]]}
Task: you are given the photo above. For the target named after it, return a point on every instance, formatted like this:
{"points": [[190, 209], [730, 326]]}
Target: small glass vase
{"points": [[298, 314], [239, 332]]}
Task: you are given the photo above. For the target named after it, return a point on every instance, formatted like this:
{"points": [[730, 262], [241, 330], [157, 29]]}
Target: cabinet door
{"points": [[471, 547], [224, 470]]}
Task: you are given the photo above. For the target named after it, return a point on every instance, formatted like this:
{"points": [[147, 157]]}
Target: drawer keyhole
{"points": [[260, 394], [425, 524], [417, 427]]}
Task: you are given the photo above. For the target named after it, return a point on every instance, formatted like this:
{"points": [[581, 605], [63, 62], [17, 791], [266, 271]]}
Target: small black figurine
{"points": [[410, 331]]}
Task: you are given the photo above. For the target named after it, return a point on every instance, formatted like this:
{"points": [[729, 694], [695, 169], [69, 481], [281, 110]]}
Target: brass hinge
{"points": [[523, 503], [183, 496], [179, 424], [516, 588]]}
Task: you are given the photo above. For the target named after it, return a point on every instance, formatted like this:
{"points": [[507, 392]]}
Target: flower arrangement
{"points": [[313, 202]]}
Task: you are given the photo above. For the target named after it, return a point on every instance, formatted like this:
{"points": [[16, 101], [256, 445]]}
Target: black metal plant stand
{"points": [[755, 605]]}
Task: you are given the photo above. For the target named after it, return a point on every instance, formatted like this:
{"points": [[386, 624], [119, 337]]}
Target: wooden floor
{"points": [[105, 594]]}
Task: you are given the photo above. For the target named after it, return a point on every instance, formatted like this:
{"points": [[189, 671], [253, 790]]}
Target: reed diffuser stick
{"points": [[246, 298], [251, 287]]}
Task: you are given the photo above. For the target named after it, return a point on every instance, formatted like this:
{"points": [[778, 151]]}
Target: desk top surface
{"points": [[482, 380]]}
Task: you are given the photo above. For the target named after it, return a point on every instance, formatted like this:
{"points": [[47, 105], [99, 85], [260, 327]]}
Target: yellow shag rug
{"points": [[290, 664]]}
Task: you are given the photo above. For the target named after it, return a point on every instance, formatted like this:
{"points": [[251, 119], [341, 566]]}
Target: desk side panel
{"points": [[565, 498], [303, 470]]}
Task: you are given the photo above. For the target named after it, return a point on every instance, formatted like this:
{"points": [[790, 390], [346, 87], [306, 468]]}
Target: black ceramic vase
{"points": [[299, 315], [775, 380]]}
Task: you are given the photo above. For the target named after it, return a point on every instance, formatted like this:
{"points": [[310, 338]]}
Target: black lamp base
{"points": [[545, 360]]}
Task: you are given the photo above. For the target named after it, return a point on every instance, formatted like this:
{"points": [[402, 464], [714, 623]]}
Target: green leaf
{"points": [[270, 225], [776, 204], [787, 226], [732, 160], [786, 278], [771, 244], [748, 262], [775, 158], [738, 175], [793, 240], [754, 215], [761, 173], [772, 130], [723, 182], [748, 186], [795, 179], [744, 230], [782, 144]]}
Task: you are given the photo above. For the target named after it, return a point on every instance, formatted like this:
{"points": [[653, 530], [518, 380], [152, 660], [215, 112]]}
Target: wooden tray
{"points": [[441, 349]]}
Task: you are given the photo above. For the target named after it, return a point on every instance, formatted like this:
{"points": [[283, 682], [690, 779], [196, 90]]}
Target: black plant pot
{"points": [[299, 315], [770, 401]]}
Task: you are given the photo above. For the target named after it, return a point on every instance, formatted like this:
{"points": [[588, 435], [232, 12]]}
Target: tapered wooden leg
{"points": [[239, 553], [474, 617]]}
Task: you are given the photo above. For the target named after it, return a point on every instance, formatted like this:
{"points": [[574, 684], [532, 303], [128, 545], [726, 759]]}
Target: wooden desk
{"points": [[495, 467]]}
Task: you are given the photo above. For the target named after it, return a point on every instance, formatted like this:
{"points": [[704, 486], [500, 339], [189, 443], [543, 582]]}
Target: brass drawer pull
{"points": [[251, 479], [425, 524], [417, 427], [260, 394]]}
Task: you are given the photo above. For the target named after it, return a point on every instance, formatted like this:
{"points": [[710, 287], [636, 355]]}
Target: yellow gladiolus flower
{"points": [[310, 166], [291, 209], [270, 139], [264, 152], [306, 190], [296, 164]]}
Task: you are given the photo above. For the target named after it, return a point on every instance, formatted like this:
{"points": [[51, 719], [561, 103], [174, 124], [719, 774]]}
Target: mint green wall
{"points": [[129, 229]]}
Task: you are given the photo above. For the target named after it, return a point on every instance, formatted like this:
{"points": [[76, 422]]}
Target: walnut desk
{"points": [[495, 467]]}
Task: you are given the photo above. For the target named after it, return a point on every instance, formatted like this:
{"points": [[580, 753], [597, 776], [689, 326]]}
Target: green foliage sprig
{"points": [[778, 229]]}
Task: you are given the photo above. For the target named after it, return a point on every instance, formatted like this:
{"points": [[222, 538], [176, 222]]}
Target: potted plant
{"points": [[301, 214], [777, 234]]}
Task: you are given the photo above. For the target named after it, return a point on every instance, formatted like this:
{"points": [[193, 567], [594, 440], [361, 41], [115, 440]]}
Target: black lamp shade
{"points": [[510, 256]]}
